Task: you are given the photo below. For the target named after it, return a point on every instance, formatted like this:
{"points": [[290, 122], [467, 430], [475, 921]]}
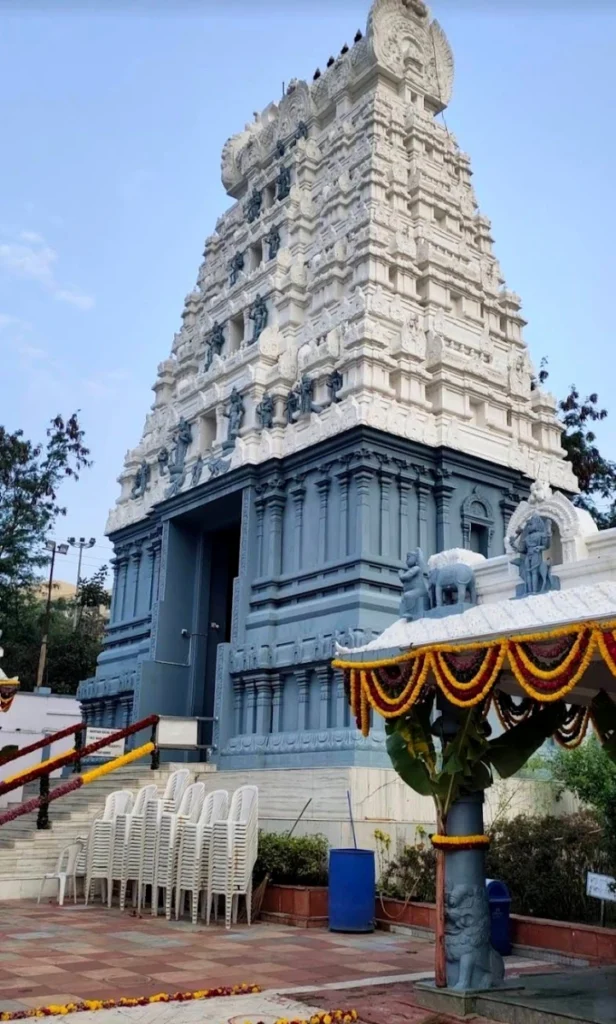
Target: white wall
{"points": [[31, 717]]}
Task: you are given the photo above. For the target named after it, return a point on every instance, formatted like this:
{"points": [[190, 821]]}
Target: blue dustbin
{"points": [[500, 909], [351, 890]]}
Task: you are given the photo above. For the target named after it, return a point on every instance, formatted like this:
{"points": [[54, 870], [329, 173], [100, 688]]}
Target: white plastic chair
{"points": [[66, 868], [195, 853], [132, 858], [169, 833], [234, 854], [101, 841], [174, 790]]}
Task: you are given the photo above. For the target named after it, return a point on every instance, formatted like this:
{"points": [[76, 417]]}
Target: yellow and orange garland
{"points": [[547, 666], [454, 844]]}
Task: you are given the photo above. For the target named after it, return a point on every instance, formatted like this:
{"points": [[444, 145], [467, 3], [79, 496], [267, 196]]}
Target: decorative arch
{"points": [[571, 525], [477, 516]]}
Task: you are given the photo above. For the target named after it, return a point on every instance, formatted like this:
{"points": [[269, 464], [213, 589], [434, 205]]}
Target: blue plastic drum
{"points": [[351, 890]]}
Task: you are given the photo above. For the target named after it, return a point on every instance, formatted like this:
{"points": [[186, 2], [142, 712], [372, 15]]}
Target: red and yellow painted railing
{"points": [[75, 757]]}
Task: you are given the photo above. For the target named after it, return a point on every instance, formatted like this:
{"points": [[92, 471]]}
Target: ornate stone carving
{"points": [[477, 510], [334, 384], [141, 481], [236, 264], [253, 206], [235, 415], [258, 314], [173, 465], [265, 412], [272, 240], [531, 541], [283, 183], [415, 591], [214, 342], [196, 471], [472, 964]]}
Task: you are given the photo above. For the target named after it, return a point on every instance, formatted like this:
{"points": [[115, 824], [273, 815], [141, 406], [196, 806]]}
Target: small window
{"points": [[236, 332], [393, 275], [457, 304], [478, 413], [479, 539], [255, 256], [503, 324], [269, 196], [440, 215], [509, 418]]}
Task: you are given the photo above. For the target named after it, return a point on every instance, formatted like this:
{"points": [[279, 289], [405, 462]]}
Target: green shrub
{"points": [[544, 862], [292, 860]]}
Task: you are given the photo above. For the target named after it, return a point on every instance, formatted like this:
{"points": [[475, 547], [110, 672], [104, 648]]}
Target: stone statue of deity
{"points": [[272, 240], [253, 206], [334, 383], [258, 315], [141, 481], [265, 412], [214, 344], [197, 470], [306, 395], [283, 183], [415, 589], [236, 264], [174, 464], [235, 415], [292, 406], [530, 541]]}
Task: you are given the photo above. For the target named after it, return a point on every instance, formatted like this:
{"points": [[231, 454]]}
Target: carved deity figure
{"points": [[235, 265], [141, 481], [334, 383], [530, 541], [272, 240], [214, 344], [283, 183], [197, 470], [258, 315], [292, 406], [253, 206], [472, 964], [173, 464], [306, 395], [415, 593], [265, 412], [235, 415]]}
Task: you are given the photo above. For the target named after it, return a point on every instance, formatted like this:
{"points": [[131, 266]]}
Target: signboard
{"points": [[177, 733], [600, 886], [115, 749]]}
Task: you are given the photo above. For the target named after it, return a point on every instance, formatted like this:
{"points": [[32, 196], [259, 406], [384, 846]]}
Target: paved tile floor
{"points": [[56, 954]]}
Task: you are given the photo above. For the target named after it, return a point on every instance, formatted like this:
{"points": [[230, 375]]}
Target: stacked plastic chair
{"points": [[172, 796], [174, 790], [234, 854], [102, 840], [195, 853], [169, 829], [132, 853]]}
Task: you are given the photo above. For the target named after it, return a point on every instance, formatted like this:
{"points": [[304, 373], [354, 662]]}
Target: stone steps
{"points": [[26, 854]]}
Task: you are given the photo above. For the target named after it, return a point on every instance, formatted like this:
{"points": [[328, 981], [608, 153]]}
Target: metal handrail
{"points": [[75, 757], [44, 742]]}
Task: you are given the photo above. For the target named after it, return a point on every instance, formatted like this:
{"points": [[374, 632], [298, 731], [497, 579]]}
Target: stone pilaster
{"points": [[303, 694], [442, 495], [363, 479], [404, 537], [238, 701], [423, 490], [343, 480], [323, 674], [250, 700], [136, 556], [298, 493], [323, 487], [264, 705], [260, 513], [277, 688], [342, 703]]}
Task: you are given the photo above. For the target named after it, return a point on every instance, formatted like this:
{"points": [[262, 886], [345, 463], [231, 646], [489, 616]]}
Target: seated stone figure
{"points": [[415, 597], [472, 963]]}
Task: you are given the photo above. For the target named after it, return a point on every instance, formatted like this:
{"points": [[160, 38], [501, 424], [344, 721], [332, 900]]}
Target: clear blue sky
{"points": [[112, 127]]}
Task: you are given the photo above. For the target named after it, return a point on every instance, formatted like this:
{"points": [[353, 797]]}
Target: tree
{"points": [[30, 478], [596, 475], [72, 650], [590, 773]]}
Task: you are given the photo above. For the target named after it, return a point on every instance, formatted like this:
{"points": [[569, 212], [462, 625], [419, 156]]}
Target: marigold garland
{"points": [[326, 1017], [57, 1010], [455, 844], [544, 678]]}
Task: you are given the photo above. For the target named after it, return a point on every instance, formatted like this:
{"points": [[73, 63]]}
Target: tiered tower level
{"points": [[350, 380]]}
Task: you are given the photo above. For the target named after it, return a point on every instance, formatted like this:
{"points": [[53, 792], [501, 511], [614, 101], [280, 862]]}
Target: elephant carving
{"points": [[452, 585]]}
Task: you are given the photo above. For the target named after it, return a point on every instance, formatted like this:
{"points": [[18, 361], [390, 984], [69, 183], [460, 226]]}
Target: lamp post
{"points": [[82, 543], [61, 549]]}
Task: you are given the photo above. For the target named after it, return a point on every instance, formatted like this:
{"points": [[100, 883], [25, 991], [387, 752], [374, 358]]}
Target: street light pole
{"points": [[61, 549], [81, 544]]}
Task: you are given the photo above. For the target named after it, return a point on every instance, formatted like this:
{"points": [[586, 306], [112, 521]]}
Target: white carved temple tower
{"points": [[350, 380]]}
